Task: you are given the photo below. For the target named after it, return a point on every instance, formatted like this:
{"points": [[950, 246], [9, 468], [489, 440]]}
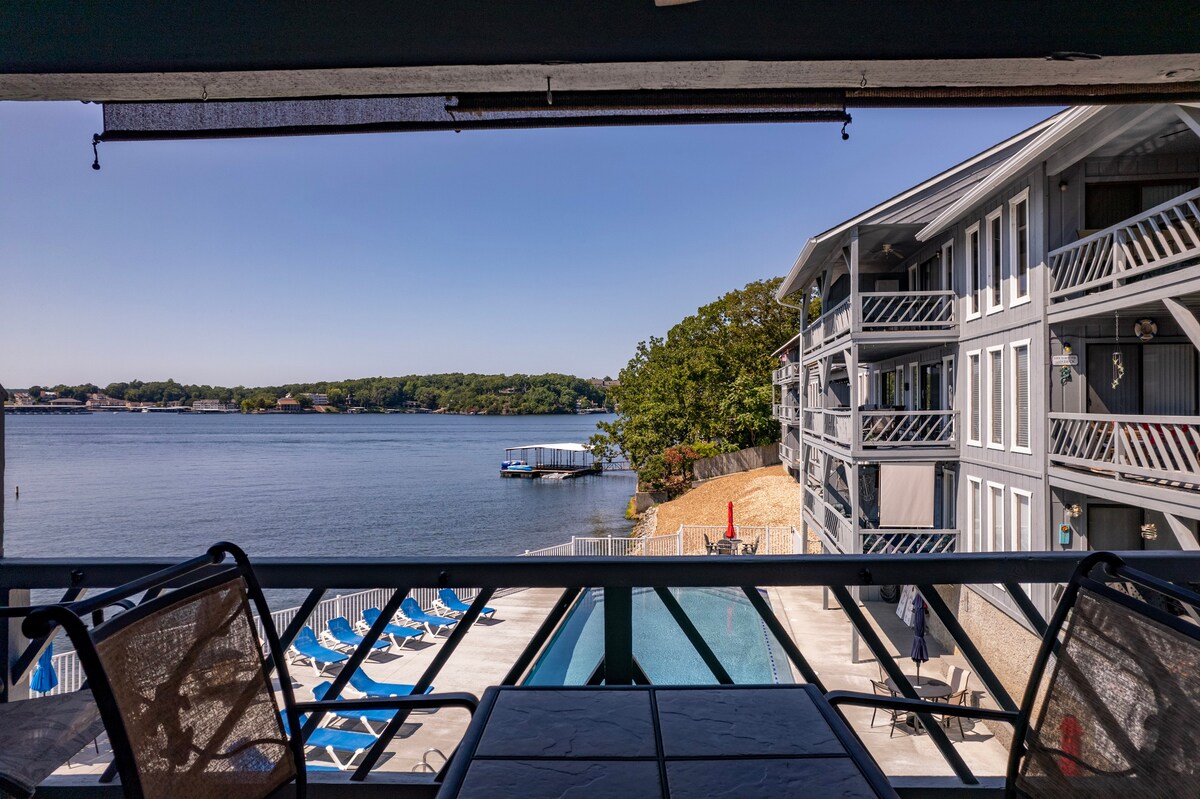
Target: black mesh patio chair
{"points": [[1112, 708], [184, 688]]}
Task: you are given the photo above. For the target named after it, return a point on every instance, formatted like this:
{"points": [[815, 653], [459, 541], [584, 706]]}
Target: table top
{"points": [[927, 688], [645, 742]]}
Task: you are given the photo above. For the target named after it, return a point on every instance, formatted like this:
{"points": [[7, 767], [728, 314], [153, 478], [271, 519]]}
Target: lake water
{"points": [[134, 484]]}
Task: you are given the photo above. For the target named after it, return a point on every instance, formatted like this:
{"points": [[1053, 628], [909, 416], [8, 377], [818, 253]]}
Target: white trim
{"points": [[992, 508], [900, 400], [949, 498], [947, 264], [993, 261], [913, 275], [1015, 519], [914, 388], [978, 356], [1019, 299], [991, 405], [974, 300], [975, 508], [1012, 394]]}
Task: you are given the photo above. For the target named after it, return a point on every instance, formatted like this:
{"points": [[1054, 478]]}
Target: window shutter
{"points": [[997, 397], [1022, 389], [976, 399]]}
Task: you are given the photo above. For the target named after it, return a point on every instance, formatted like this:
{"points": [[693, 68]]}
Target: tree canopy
{"points": [[455, 393], [708, 382]]}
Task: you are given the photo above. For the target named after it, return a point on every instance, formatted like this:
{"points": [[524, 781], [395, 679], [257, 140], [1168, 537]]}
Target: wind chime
{"points": [[1117, 359]]}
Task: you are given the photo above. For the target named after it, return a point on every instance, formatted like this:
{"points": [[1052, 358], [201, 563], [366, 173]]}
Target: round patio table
{"points": [[926, 687]]}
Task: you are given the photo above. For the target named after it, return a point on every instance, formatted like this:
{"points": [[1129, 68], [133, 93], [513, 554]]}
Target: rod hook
{"points": [[96, 151]]}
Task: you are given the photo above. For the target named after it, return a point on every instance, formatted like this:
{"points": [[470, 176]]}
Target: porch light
{"points": [[1150, 531]]}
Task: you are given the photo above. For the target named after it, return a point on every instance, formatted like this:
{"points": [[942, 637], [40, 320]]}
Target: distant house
{"points": [[288, 405], [318, 399], [212, 406], [22, 398], [98, 402], [65, 402]]}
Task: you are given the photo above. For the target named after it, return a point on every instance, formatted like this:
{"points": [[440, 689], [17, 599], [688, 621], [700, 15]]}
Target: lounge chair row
{"points": [[410, 623]]}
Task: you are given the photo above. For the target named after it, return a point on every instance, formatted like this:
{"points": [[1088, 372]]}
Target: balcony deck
{"points": [[922, 318], [884, 433]]}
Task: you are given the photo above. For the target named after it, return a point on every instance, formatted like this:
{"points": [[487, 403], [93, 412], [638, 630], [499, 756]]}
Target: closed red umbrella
{"points": [[729, 533]]}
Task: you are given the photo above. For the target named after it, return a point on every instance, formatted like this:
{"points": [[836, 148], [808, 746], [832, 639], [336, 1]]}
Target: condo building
{"points": [[1005, 358]]}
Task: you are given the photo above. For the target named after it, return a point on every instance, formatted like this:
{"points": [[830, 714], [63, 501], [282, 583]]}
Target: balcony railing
{"points": [[617, 577], [910, 310], [900, 311], [895, 541], [1157, 449], [884, 428], [788, 373], [785, 412], [1164, 236], [787, 453], [908, 428]]}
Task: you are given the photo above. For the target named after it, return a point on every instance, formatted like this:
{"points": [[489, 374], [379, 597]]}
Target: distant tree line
{"points": [[703, 389], [455, 393]]}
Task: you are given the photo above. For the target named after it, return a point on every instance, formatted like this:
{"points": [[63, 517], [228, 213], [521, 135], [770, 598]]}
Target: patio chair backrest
{"points": [[954, 676], [1120, 705], [182, 686], [340, 624]]}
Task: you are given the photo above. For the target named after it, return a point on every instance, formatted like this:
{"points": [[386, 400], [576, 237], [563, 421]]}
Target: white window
{"points": [[996, 517], [996, 397], [1022, 522], [974, 400], [1020, 397], [995, 267], [974, 270], [974, 514], [1018, 246]]}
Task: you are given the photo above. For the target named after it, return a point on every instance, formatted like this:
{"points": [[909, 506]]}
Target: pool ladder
{"points": [[425, 767]]}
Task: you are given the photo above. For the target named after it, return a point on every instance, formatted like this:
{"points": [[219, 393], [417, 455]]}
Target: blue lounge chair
{"points": [[411, 611], [360, 682], [398, 633], [306, 647], [381, 717], [341, 634], [334, 741], [449, 601]]}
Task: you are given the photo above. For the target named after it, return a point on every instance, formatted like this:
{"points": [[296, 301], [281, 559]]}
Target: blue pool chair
{"points": [[341, 634], [381, 717], [411, 611], [449, 601], [306, 647], [360, 682], [397, 632], [334, 741]]}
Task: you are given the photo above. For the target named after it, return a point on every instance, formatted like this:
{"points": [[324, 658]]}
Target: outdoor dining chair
{"points": [[1112, 705], [183, 687]]}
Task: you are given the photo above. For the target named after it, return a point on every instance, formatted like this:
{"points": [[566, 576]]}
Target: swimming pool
{"points": [[723, 616]]}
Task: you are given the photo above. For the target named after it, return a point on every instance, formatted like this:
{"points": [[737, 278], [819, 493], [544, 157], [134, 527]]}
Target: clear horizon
{"points": [[266, 262]]}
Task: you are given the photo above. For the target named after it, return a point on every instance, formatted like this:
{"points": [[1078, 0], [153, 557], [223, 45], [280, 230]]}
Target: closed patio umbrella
{"points": [[920, 652], [729, 533], [44, 679]]}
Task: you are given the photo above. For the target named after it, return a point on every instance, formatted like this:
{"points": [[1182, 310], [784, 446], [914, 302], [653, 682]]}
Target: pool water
{"points": [[723, 616]]}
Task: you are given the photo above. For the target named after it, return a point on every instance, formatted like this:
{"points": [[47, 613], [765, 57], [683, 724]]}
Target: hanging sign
{"points": [[1064, 360]]}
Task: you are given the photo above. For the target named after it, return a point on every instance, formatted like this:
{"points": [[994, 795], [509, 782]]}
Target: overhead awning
{"points": [[569, 447]]}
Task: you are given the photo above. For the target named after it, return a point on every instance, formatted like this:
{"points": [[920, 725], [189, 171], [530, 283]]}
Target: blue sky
{"points": [[268, 261]]}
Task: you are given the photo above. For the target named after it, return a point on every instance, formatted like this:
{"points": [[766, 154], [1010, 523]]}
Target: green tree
{"points": [[708, 380]]}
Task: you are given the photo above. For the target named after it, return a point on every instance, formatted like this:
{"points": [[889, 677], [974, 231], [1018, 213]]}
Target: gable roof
{"points": [[922, 203]]}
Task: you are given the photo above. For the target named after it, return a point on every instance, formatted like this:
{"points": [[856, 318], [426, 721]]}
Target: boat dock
{"points": [[553, 461]]}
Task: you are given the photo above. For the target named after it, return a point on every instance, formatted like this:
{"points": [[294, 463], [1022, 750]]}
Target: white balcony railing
{"points": [[785, 412], [787, 453], [1162, 237], [908, 428], [894, 541], [830, 326], [813, 420], [909, 310], [1160, 449]]}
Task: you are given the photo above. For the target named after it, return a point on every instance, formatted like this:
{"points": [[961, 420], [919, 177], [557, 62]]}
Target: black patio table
{"points": [[651, 742]]}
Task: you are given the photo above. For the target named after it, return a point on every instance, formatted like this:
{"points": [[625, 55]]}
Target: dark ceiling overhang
{"points": [[922, 52]]}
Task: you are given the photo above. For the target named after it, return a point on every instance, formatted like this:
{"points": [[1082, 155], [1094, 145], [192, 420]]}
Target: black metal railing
{"points": [[617, 576]]}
